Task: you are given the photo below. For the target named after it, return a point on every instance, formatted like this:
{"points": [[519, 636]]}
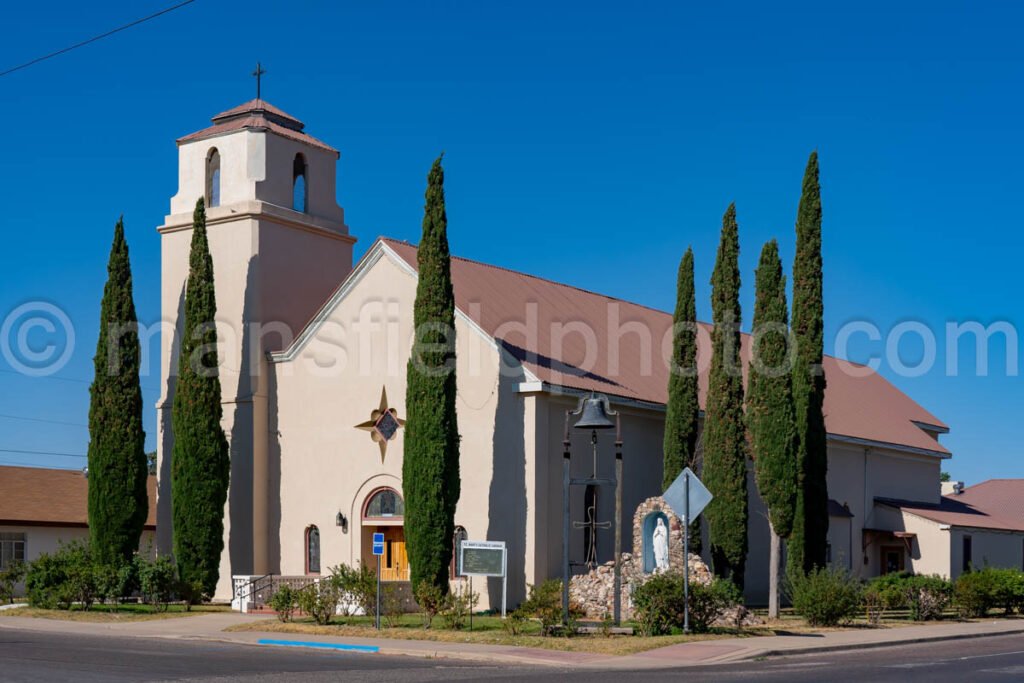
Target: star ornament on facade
{"points": [[383, 424]]}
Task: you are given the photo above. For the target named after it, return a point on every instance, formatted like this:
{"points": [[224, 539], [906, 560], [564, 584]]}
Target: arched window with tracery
{"points": [[312, 550], [299, 192], [213, 178]]}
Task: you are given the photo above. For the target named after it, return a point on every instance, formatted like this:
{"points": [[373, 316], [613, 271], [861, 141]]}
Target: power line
{"points": [[38, 466], [61, 455], [74, 380], [39, 419], [95, 38]]}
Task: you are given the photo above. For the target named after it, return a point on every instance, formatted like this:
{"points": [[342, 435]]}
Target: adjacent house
{"points": [[42, 508], [973, 527]]}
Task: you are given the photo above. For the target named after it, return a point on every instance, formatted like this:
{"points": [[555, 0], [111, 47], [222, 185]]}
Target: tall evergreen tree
{"points": [[770, 412], [430, 469], [118, 502], [725, 447], [808, 543], [200, 464], [682, 412]]}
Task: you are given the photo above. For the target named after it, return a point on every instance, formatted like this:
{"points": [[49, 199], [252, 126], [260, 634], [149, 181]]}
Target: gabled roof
{"points": [[45, 497], [257, 115], [860, 405], [993, 504]]}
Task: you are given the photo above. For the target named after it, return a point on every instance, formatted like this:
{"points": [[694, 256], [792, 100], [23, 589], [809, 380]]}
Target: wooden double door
{"points": [[394, 564]]}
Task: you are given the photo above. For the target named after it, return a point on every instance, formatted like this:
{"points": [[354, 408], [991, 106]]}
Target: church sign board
{"points": [[485, 558]]}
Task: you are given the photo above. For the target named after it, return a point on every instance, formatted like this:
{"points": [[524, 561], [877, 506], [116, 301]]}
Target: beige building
{"points": [[42, 508], [314, 354]]}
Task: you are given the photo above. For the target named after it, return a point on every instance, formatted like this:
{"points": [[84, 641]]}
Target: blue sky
{"points": [[585, 142]]}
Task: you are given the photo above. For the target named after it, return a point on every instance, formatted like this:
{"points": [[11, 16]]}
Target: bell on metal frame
{"points": [[594, 414]]}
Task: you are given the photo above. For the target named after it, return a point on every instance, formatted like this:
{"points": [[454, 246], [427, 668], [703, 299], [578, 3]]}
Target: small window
{"points": [[385, 503], [458, 537], [967, 549], [312, 550], [213, 178], [12, 548], [299, 183]]}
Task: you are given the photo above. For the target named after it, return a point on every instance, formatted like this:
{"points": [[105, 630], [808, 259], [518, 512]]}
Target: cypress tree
{"points": [[807, 546], [725, 448], [682, 412], [430, 468], [200, 464], [118, 502], [770, 412]]}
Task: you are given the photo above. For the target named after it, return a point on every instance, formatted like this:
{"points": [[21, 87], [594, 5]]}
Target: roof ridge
{"points": [[545, 279]]}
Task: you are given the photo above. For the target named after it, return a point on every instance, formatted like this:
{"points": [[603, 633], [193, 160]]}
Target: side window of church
{"points": [[213, 178], [299, 183], [12, 548], [313, 550], [460, 536]]}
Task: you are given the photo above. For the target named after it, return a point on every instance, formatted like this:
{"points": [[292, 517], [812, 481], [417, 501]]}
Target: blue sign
{"points": [[378, 544]]}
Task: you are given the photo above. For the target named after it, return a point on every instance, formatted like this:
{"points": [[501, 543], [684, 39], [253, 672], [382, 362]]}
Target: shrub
{"points": [[825, 596], [283, 601], [514, 622], [659, 603], [430, 600], [158, 580], [10, 577], [927, 596], [63, 578], [976, 592], [707, 603], [1008, 589], [545, 604], [392, 604], [458, 605], [356, 588], [320, 600]]}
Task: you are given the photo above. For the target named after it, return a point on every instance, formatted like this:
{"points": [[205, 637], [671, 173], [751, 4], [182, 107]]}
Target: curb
{"points": [[868, 646]]}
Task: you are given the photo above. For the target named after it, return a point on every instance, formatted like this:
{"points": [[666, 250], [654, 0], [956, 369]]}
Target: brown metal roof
{"points": [[37, 496], [992, 504], [859, 403]]}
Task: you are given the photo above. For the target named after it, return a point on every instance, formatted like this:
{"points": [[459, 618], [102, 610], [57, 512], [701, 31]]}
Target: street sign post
{"points": [[485, 558], [378, 550], [688, 497]]}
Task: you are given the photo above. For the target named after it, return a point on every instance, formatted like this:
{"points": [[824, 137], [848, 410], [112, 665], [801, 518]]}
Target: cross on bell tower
{"points": [[258, 73]]}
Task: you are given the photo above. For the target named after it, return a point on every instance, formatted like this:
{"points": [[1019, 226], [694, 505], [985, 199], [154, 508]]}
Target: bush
{"points": [[457, 607], [430, 600], [976, 592], [320, 600], [545, 604], [927, 596], [514, 622], [825, 596], [158, 580], [10, 577], [63, 578], [283, 601], [356, 588], [392, 604], [1008, 589], [659, 603]]}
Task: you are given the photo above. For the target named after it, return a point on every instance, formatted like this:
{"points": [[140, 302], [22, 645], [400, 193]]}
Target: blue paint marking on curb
{"points": [[328, 646]]}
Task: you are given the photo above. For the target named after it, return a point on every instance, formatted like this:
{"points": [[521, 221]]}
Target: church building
{"points": [[313, 358]]}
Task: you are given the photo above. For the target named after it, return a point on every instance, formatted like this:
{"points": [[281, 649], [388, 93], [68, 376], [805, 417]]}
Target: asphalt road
{"points": [[32, 656]]}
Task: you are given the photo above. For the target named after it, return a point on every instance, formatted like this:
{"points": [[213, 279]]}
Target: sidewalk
{"points": [[211, 627]]}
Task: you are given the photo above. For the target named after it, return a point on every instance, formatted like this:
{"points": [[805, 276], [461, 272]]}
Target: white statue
{"points": [[660, 542]]}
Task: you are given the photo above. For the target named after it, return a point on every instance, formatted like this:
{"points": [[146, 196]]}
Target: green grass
{"points": [[112, 613]]}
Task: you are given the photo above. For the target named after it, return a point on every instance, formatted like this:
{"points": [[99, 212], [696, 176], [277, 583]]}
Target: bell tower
{"points": [[280, 246]]}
